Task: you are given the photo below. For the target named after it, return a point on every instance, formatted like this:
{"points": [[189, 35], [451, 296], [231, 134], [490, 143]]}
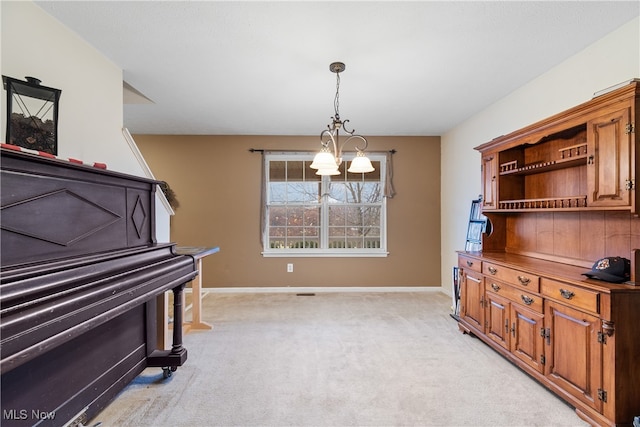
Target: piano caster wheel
{"points": [[166, 372]]}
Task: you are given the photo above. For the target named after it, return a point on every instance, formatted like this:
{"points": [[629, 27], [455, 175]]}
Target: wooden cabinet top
{"points": [[566, 119], [553, 270]]}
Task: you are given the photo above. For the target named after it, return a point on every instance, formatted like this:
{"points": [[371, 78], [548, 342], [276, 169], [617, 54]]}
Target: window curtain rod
{"points": [[262, 150]]}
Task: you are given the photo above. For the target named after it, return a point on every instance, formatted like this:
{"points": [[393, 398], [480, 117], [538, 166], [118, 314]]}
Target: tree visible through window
{"points": [[311, 214]]}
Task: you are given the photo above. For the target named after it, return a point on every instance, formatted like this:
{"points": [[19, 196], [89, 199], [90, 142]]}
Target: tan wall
{"points": [[217, 182]]}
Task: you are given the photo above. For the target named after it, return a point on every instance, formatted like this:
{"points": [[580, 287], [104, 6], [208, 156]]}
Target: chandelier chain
{"points": [[336, 101]]}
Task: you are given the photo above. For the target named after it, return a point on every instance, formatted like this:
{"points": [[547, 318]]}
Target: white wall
{"points": [[90, 114], [611, 60], [91, 106]]}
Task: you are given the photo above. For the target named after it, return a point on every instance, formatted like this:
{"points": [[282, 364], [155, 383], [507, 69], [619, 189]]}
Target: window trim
{"points": [[322, 252]]}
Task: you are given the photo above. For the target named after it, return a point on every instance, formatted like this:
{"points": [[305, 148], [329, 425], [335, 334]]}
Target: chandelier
{"points": [[327, 162]]}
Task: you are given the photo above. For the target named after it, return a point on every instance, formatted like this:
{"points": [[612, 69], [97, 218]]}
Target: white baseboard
{"points": [[293, 289]]}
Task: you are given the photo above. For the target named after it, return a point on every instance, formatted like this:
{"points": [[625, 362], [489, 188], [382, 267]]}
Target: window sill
{"points": [[335, 253]]}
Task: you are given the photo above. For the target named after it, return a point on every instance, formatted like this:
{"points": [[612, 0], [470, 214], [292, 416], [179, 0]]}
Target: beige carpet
{"points": [[336, 359]]}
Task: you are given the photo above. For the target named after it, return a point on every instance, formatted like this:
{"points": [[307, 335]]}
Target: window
{"points": [[311, 215]]}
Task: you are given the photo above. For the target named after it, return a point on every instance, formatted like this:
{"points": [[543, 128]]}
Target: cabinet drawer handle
{"points": [[495, 287], [524, 280], [527, 300], [469, 263], [566, 294], [493, 270]]}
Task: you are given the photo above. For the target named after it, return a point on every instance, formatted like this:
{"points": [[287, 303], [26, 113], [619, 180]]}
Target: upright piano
{"points": [[80, 277]]}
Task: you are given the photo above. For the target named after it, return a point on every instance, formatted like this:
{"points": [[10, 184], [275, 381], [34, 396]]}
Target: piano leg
{"points": [[169, 360], [178, 313]]}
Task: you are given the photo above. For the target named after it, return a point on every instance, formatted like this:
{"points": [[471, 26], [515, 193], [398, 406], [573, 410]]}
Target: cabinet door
{"points": [[609, 169], [573, 353], [472, 298], [527, 343], [497, 319], [489, 181]]}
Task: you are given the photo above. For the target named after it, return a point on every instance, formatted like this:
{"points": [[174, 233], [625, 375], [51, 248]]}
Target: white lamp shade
{"points": [[361, 164], [324, 160], [328, 171]]}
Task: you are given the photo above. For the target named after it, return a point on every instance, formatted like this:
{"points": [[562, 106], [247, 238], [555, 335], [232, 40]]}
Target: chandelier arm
{"points": [[360, 137], [327, 136], [330, 138], [325, 143], [344, 126]]}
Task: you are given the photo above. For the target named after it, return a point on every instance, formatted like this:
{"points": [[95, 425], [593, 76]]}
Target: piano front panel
{"points": [[48, 215], [50, 384]]}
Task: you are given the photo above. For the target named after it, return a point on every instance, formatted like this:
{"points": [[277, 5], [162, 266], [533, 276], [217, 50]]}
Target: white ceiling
{"points": [[262, 68]]}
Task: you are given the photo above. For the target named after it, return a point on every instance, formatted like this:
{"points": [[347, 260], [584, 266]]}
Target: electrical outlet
{"points": [[289, 268]]}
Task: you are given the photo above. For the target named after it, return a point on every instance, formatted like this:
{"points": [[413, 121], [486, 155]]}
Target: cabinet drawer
{"points": [[574, 296], [521, 279], [468, 263], [515, 294]]}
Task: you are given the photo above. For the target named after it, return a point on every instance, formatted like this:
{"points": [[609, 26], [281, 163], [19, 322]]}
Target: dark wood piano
{"points": [[80, 275]]}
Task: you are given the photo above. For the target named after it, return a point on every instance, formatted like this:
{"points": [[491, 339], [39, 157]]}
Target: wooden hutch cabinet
{"points": [[560, 195]]}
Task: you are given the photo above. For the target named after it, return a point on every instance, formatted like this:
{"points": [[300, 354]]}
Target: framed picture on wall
{"points": [[32, 114]]}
